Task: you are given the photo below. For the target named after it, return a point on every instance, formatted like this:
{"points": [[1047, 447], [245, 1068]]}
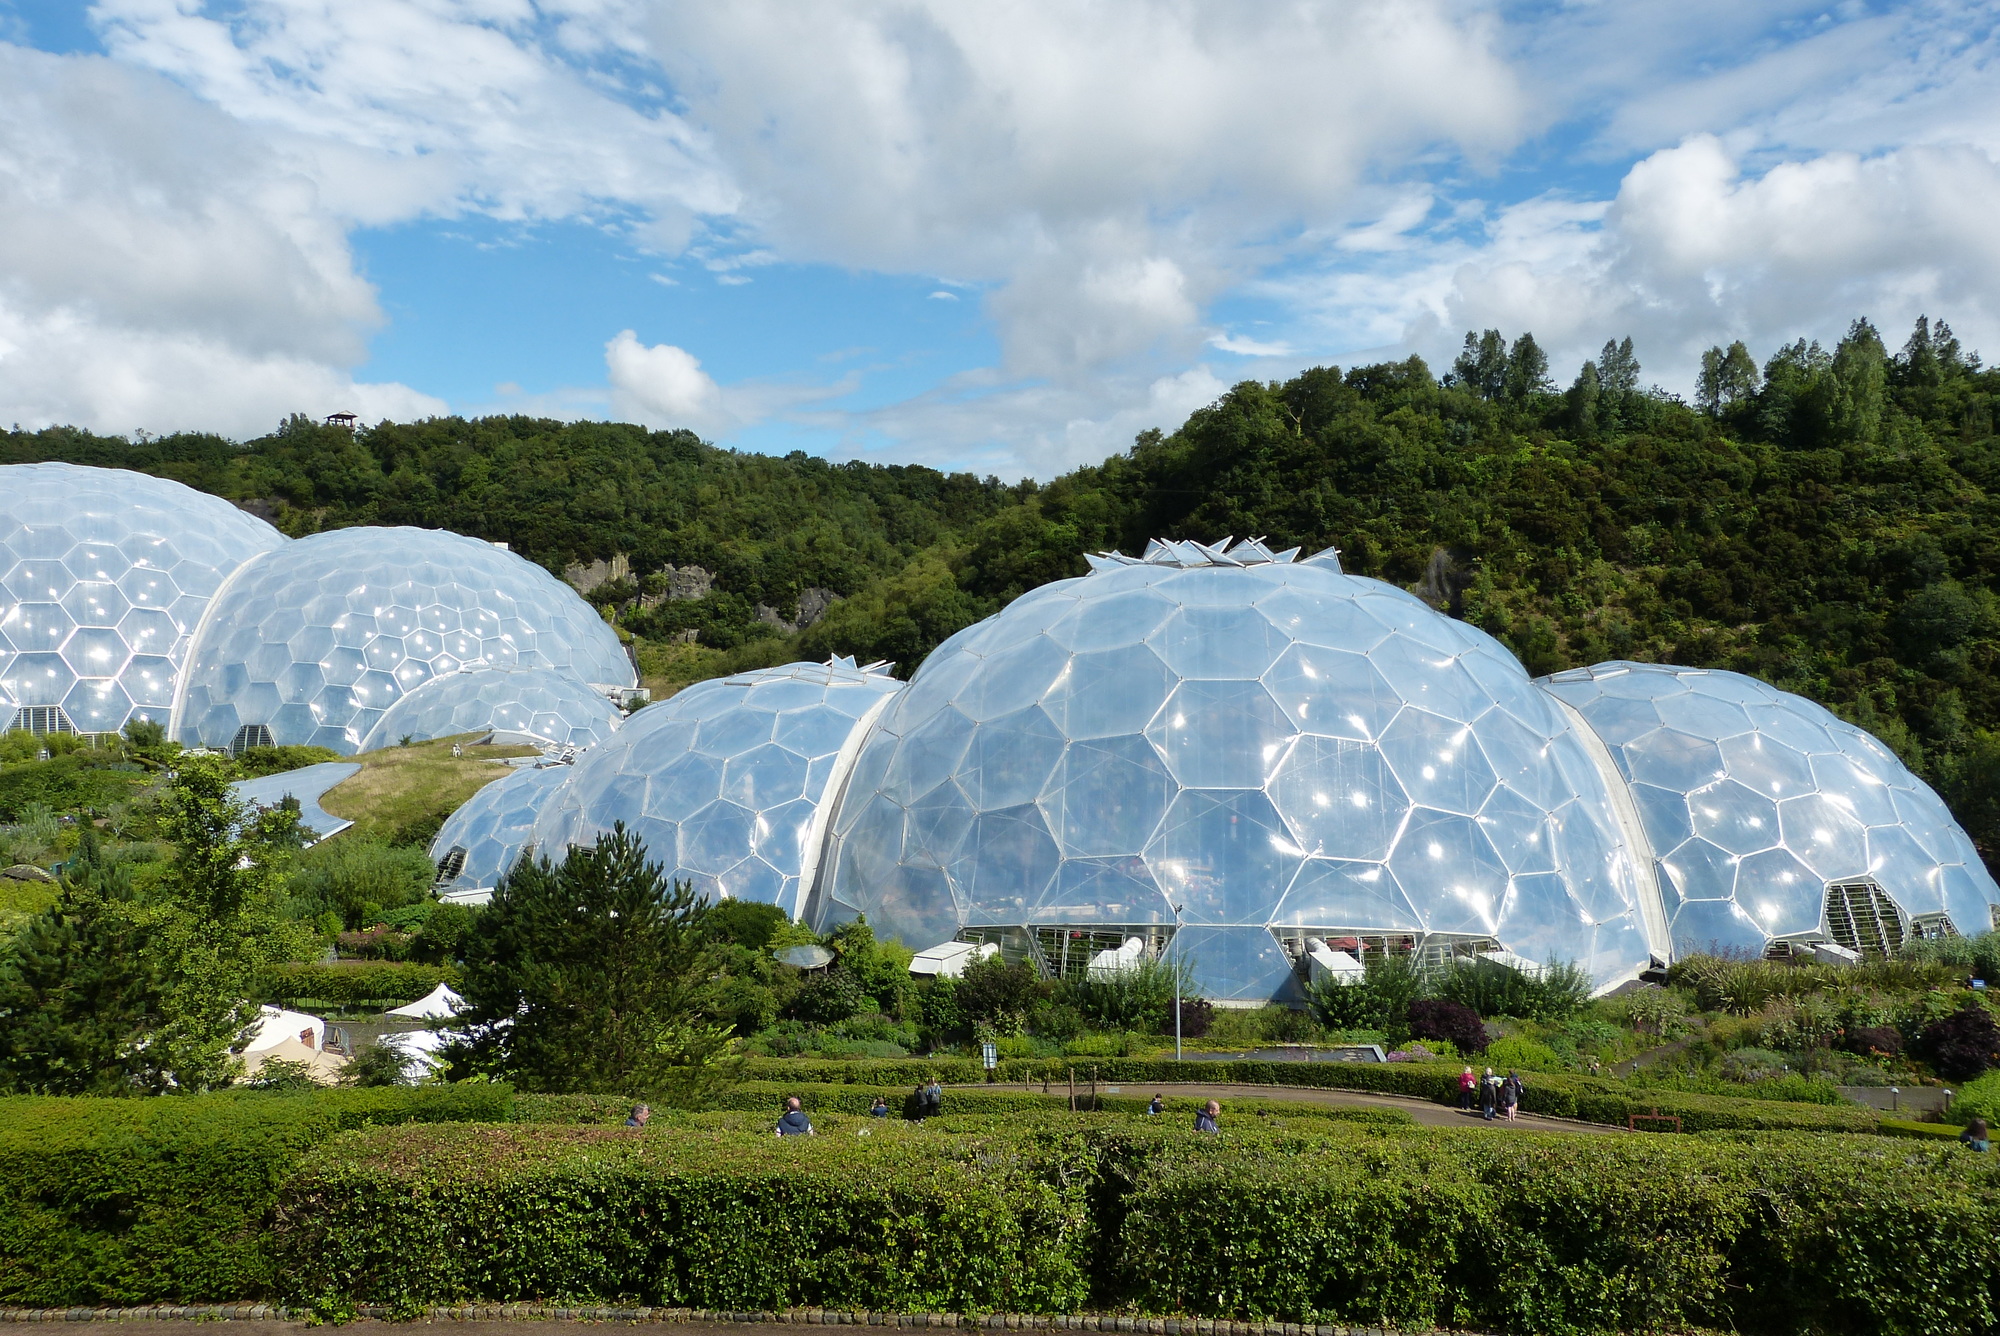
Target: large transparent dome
{"points": [[1277, 748], [728, 781], [1756, 802], [524, 703], [104, 575], [490, 828], [314, 641]]}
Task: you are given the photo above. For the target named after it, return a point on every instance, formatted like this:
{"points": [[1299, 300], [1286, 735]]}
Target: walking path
{"points": [[1425, 1112]]}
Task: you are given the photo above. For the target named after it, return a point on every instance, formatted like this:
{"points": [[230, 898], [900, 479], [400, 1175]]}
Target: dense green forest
{"points": [[1825, 521]]}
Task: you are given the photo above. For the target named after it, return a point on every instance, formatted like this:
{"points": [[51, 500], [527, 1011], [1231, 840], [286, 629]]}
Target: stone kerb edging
{"points": [[1148, 1326]]}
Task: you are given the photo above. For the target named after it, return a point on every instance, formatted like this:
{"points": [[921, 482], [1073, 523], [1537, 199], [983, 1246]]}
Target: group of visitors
{"points": [[1204, 1118], [1498, 1096]]}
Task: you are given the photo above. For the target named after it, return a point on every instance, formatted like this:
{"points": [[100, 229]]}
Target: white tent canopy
{"points": [[275, 1025], [440, 1004]]}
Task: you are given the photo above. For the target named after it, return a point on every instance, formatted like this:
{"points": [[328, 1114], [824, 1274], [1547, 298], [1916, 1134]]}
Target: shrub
{"points": [[1556, 992], [1978, 1098], [1514, 1053], [350, 983], [1379, 1000], [1962, 1045], [828, 997], [358, 879], [252, 762], [1877, 1040], [1527, 1233], [994, 992], [1197, 1015], [1453, 1022], [905, 1220], [138, 1201]]}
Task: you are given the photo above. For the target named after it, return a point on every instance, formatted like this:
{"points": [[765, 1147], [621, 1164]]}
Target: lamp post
{"points": [[1176, 949]]}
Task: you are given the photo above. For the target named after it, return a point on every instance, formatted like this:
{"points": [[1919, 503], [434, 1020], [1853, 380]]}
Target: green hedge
{"points": [[1307, 1222], [902, 1219], [1559, 1095], [130, 1201], [351, 985], [1533, 1233]]}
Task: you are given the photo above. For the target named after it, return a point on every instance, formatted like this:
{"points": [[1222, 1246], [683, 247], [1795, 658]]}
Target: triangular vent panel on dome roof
{"points": [[1188, 553]]}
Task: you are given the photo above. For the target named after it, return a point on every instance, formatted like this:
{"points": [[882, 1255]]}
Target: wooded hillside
{"points": [[1826, 522]]}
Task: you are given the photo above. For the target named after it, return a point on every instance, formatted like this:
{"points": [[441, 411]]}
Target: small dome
{"points": [[313, 642], [1756, 802], [488, 831], [1270, 746], [726, 782], [528, 703], [104, 575]]}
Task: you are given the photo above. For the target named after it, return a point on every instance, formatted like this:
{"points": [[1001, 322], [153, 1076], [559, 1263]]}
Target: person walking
{"points": [[1204, 1119], [794, 1122], [934, 1097], [1510, 1095], [1157, 1107], [1488, 1093], [1467, 1085]]}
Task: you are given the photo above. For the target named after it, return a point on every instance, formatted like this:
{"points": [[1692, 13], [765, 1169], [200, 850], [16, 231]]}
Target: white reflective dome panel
{"points": [[1755, 799], [725, 781], [317, 639], [1273, 745], [494, 824], [536, 703], [104, 574]]}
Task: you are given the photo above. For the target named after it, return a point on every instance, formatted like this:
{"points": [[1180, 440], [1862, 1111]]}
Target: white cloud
{"points": [[160, 269], [1247, 347], [662, 386], [1100, 174], [1107, 167], [1694, 251], [439, 107]]}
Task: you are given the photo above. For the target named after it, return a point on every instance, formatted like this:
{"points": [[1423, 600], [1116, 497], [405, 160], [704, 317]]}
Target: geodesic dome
{"points": [[1772, 818], [728, 783], [104, 575], [532, 703], [311, 643], [490, 828], [1278, 749]]}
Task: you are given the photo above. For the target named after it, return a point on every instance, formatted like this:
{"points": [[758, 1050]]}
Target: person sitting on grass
{"points": [[794, 1123], [1975, 1136]]}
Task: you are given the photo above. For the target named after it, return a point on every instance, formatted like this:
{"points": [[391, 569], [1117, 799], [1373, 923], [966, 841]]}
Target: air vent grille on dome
{"points": [[1862, 918], [41, 720], [1187, 553], [251, 735]]}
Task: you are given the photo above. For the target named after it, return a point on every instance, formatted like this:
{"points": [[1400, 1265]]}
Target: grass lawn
{"points": [[401, 789]]}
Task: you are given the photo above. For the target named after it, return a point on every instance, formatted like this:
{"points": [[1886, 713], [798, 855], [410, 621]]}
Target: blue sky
{"points": [[1003, 237]]}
